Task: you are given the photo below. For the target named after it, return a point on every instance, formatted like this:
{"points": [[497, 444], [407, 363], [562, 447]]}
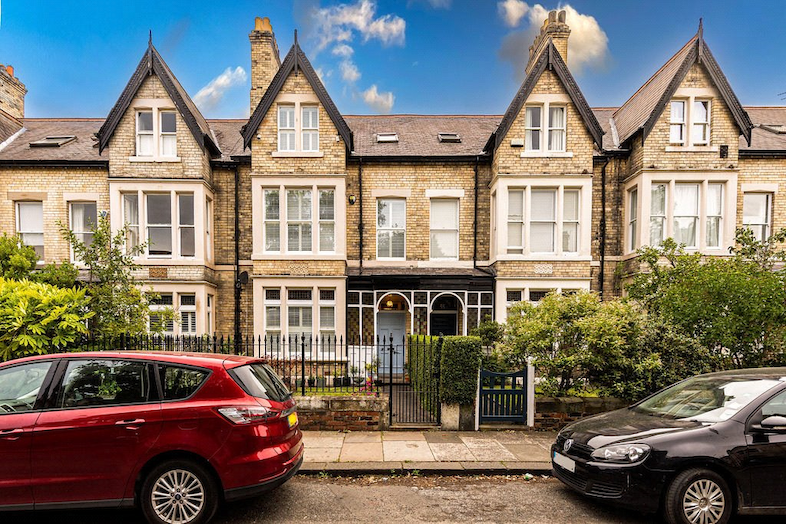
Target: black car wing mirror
{"points": [[774, 423]]}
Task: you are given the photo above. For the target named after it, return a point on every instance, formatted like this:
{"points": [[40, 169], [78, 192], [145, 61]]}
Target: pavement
{"points": [[427, 452]]}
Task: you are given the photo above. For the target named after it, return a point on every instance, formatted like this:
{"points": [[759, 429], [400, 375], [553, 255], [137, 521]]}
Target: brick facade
{"points": [[428, 291]]}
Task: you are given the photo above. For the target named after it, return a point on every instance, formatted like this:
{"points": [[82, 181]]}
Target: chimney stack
{"points": [[556, 29], [12, 93], [265, 59]]}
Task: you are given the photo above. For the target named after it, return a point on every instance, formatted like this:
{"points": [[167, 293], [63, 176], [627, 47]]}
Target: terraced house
{"points": [[304, 221]]}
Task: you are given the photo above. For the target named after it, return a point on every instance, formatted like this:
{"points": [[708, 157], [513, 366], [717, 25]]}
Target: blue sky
{"points": [[407, 56]]}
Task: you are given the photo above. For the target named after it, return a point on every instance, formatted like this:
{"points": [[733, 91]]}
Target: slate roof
{"points": [[152, 64], [8, 126], [642, 110], [417, 134], [83, 149]]}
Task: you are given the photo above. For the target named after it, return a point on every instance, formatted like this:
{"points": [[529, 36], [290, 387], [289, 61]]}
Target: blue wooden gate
{"points": [[503, 397]]}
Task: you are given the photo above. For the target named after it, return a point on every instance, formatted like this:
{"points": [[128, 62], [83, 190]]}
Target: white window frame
{"points": [[697, 217], [518, 220], [633, 217], [286, 130], [133, 227], [301, 221], [555, 244], [209, 327], [301, 305], [271, 223], [662, 216], [188, 309], [328, 221], [766, 226], [709, 216], [326, 331], [161, 307], [21, 229], [156, 107], [166, 134], [181, 227], [79, 234], [689, 122], [571, 221], [208, 228], [390, 230], [529, 129], [557, 129], [142, 224], [173, 218], [273, 332], [437, 228], [312, 130]]}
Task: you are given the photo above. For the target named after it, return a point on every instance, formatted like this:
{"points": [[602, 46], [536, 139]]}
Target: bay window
{"points": [[294, 313], [305, 213], [444, 237], [168, 222], [686, 214], [186, 224], [757, 214], [159, 224], [30, 225], [543, 220], [657, 214]]}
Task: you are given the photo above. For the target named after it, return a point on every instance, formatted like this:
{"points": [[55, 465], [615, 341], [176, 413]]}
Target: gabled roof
{"points": [[296, 62], [643, 109], [8, 126], [153, 64], [550, 58]]}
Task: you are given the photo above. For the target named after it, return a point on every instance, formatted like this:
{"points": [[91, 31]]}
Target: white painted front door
{"points": [[391, 328]]}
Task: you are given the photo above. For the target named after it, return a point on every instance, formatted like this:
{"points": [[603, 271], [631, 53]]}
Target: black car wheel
{"points": [[698, 496], [179, 491]]}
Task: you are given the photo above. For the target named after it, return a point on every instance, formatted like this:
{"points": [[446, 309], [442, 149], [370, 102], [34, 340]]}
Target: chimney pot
{"points": [[263, 25], [552, 16], [10, 70], [562, 16]]}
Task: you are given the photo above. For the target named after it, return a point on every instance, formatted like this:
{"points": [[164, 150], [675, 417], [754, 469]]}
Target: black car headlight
{"points": [[622, 453]]}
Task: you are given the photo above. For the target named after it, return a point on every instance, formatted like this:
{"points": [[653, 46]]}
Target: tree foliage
{"points": [[38, 318], [120, 305], [735, 306]]}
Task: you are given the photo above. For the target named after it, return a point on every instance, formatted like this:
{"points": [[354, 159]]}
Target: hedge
{"points": [[459, 370], [423, 361]]}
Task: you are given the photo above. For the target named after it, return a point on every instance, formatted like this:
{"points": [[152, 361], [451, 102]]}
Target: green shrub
{"points": [[459, 367], [37, 318], [489, 331], [423, 361]]}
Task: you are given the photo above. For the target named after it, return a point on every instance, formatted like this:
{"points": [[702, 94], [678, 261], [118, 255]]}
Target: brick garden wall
{"points": [[554, 413], [345, 413]]}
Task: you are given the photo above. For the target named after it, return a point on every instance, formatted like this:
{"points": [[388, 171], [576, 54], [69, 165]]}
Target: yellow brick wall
{"points": [[302, 268], [194, 163], [266, 140], [764, 171], [418, 178], [542, 269], [54, 182]]}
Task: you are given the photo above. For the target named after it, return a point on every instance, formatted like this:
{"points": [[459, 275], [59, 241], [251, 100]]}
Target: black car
{"points": [[700, 450]]}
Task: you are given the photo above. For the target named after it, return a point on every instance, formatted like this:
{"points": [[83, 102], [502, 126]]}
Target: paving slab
{"points": [[378, 467], [484, 449], [363, 437], [323, 442], [312, 467], [442, 437], [361, 452], [531, 452], [313, 454], [403, 435], [450, 452], [407, 450]]}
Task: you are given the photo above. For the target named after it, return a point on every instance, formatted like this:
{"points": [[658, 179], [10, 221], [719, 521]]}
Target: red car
{"points": [[171, 433]]}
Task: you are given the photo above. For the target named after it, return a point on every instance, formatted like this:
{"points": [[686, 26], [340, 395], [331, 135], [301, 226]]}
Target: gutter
{"points": [[420, 158], [360, 203], [238, 285], [55, 163], [602, 245], [764, 153]]}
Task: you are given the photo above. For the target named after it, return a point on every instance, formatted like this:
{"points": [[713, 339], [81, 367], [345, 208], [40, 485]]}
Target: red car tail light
{"points": [[248, 415]]}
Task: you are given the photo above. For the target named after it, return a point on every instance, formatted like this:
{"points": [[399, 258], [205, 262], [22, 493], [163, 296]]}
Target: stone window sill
{"points": [[153, 159], [692, 149], [297, 154], [546, 154]]}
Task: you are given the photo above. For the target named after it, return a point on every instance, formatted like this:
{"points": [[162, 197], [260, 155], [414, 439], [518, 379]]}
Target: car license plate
{"points": [[292, 419], [565, 462]]}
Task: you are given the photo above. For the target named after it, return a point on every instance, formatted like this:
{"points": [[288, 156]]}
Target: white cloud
{"points": [[209, 96], [339, 23], [343, 50], [349, 71], [512, 11], [379, 102], [588, 45], [322, 74], [434, 4]]}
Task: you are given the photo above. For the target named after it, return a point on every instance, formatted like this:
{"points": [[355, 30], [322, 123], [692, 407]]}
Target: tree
{"points": [[735, 307], [17, 260], [120, 305], [38, 318]]}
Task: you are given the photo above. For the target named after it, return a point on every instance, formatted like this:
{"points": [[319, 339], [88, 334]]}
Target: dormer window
{"points": [[156, 133], [535, 125], [693, 114], [298, 128]]}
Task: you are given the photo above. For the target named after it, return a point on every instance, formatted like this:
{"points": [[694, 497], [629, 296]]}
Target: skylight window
{"points": [[53, 141], [383, 138], [450, 138]]}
